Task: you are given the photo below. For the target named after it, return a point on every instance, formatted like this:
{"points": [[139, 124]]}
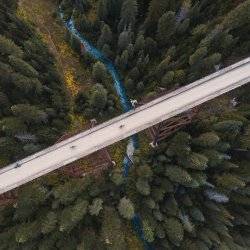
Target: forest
{"points": [[33, 100], [192, 191]]}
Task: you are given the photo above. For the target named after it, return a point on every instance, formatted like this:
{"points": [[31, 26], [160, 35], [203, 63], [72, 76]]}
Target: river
{"points": [[126, 106]]}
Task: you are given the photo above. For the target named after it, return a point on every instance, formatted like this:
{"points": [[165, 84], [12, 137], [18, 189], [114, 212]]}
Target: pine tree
{"points": [[195, 161], [143, 186], [124, 40], [99, 97], [124, 60], [156, 9], [139, 43], [8, 47], [174, 230], [72, 215], [102, 10], [106, 36], [198, 55], [148, 232], [49, 223], [99, 72], [206, 140], [166, 28], [112, 230], [167, 79], [128, 15], [12, 126], [28, 113], [126, 208], [150, 46], [96, 206], [178, 175], [21, 66], [162, 67]]}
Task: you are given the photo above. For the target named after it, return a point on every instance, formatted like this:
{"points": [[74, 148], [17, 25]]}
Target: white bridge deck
{"points": [[132, 122]]}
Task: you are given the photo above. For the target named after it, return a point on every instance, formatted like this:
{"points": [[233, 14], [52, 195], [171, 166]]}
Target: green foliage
{"points": [[195, 161], [102, 10], [29, 201], [193, 182], [197, 56], [96, 101], [179, 145], [96, 206], [99, 72], [197, 214], [148, 232], [73, 215], [128, 14], [177, 174], [49, 223], [230, 182], [166, 28], [174, 230], [124, 40], [167, 79], [21, 66], [143, 186], [207, 140], [112, 230], [29, 114], [28, 84], [106, 36], [26, 232], [99, 97], [117, 177], [156, 9], [126, 208], [8, 47], [68, 192]]}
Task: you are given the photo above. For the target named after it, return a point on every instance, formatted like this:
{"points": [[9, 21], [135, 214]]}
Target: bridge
{"points": [[125, 125]]}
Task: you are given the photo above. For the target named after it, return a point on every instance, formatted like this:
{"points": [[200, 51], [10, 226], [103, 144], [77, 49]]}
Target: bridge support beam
{"points": [[164, 129], [8, 198]]}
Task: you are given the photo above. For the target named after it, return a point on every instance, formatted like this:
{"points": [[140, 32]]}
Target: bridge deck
{"points": [[132, 122]]}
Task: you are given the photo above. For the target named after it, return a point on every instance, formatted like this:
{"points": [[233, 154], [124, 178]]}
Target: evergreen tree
{"points": [[106, 36], [156, 9], [124, 40], [166, 28], [126, 208], [128, 15], [99, 97], [99, 72], [102, 10], [139, 43]]}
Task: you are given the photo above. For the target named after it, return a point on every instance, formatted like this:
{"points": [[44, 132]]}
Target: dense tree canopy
{"points": [[190, 192], [33, 99]]}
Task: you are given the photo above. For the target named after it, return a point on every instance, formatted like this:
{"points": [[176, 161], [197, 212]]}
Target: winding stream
{"points": [[126, 106]]}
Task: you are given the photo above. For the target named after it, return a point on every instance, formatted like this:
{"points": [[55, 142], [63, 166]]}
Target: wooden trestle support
{"points": [[163, 130], [8, 198]]}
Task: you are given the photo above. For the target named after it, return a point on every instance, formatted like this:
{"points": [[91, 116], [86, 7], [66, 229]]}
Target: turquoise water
{"points": [[126, 106]]}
